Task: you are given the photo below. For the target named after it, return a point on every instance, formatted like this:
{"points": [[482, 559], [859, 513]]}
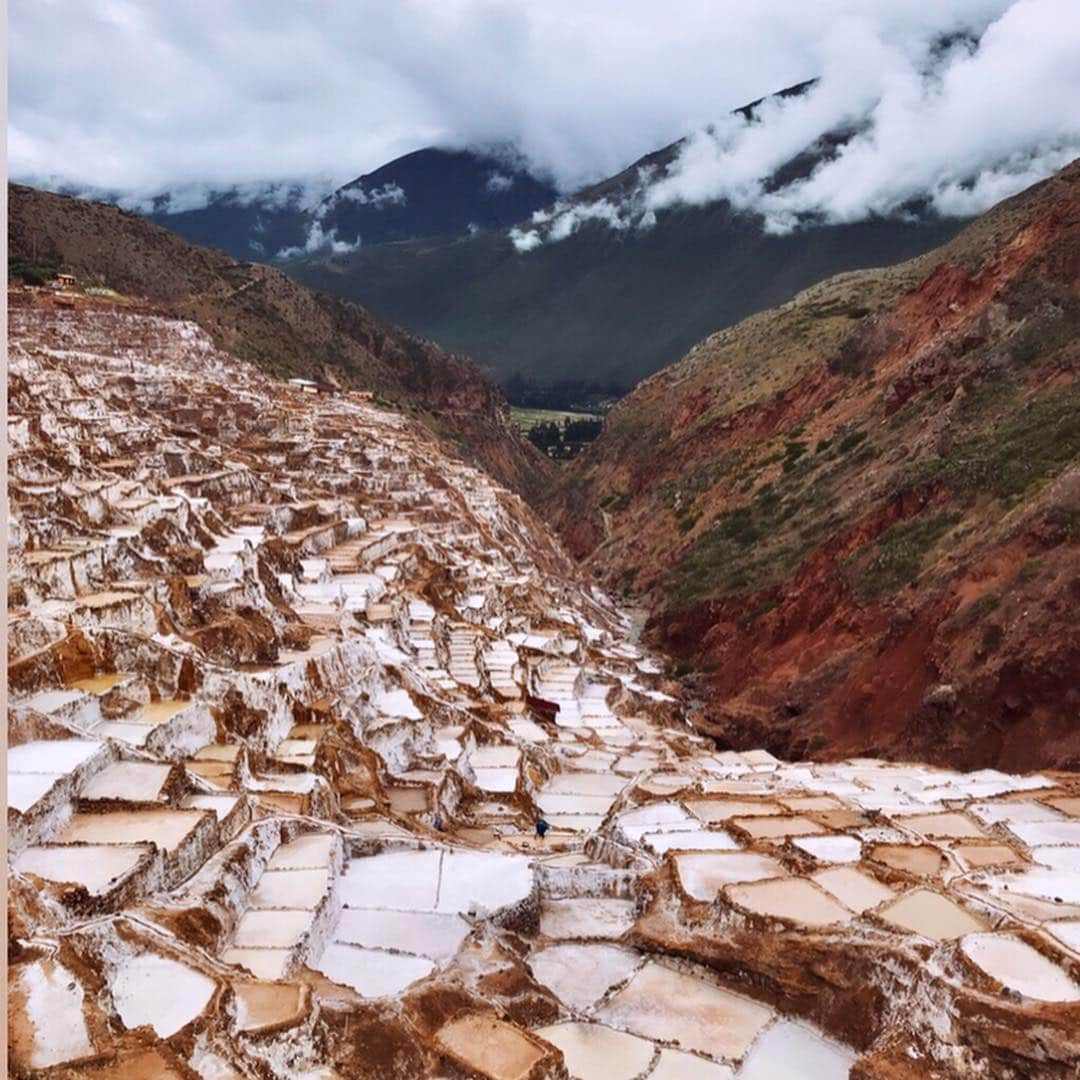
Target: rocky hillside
{"points": [[855, 517], [257, 313]]}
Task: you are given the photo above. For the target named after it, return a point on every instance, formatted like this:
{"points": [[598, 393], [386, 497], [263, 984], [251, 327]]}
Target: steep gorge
{"points": [[854, 518]]}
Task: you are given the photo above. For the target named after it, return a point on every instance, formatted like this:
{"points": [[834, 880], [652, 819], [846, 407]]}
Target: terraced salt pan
{"points": [[51, 757], [422, 933], [1067, 931], [1050, 884], [795, 899], [690, 840], [837, 849], [491, 1047], [371, 972], [1059, 858], [96, 867], [974, 856], [791, 1051], [1018, 966], [586, 917], [168, 829], [1047, 832], [921, 860], [46, 1022], [655, 817], [291, 888], [777, 828], [704, 874], [853, 888], [1014, 811], [134, 781], [152, 989], [579, 975], [943, 825], [712, 811], [263, 963], [931, 915], [671, 1006], [596, 1052]]}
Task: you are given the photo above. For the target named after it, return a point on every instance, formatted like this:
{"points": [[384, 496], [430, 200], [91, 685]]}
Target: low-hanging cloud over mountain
{"points": [[144, 96], [956, 125]]}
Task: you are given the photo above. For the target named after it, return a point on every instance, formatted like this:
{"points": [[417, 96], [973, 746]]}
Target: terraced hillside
{"points": [[260, 315], [290, 688], [855, 518]]}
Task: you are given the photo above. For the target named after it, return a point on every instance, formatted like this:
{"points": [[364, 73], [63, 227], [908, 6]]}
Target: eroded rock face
{"points": [[290, 691]]}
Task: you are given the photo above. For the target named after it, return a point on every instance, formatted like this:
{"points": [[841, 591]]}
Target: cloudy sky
{"points": [[139, 96]]}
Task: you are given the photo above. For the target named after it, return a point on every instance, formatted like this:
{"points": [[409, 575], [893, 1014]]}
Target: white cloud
{"points": [[141, 96], [319, 239], [961, 127], [498, 182]]}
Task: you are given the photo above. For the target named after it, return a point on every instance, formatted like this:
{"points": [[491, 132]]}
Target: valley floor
{"points": [[291, 689]]}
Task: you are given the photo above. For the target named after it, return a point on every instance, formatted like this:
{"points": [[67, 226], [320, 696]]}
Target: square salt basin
{"points": [[291, 889], [587, 917], [711, 811], [703, 874], [853, 888], [168, 829], [308, 851], [422, 933], [678, 1065], [24, 790], [98, 868], [596, 1052], [974, 856], [1018, 966], [777, 828], [690, 840], [491, 1047], [793, 899], [131, 781], [792, 1051], [579, 975], [371, 972], [270, 964], [922, 860], [670, 1006], [271, 929], [404, 880], [835, 849], [931, 915], [943, 825]]}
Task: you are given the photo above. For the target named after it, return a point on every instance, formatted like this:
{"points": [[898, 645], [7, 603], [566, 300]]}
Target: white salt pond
{"points": [[835, 849], [704, 874], [596, 1052], [586, 917], [931, 915], [371, 972], [791, 1051], [671, 1006], [1018, 966], [152, 989], [96, 867], [795, 899], [52, 1008], [579, 975]]}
